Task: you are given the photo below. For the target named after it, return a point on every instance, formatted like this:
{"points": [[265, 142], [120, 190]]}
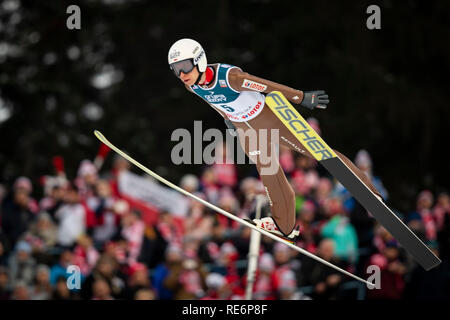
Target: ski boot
{"points": [[269, 225]]}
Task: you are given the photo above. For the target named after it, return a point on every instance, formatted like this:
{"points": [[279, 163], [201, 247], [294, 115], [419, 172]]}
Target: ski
{"points": [[306, 135], [102, 138]]}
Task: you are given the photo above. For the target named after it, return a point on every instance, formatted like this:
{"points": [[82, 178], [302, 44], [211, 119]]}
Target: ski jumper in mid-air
{"points": [[240, 98]]}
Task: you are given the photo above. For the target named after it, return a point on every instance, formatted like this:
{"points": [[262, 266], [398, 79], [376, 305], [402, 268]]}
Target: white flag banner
{"points": [[146, 190]]}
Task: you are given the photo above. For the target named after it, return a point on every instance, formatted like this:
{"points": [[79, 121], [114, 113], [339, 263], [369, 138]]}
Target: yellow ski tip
{"points": [[100, 136]]}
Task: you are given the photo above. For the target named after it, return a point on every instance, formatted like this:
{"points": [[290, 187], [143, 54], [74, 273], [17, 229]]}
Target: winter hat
{"points": [[363, 159], [266, 262], [190, 181], [86, 168], [42, 267], [425, 194], [229, 250], [24, 183], [228, 200], [44, 216], [378, 260], [137, 267], [173, 248], [288, 280], [215, 280], [23, 246], [279, 247]]}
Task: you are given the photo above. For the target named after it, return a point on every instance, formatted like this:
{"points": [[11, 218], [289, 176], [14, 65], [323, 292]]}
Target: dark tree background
{"points": [[389, 88]]}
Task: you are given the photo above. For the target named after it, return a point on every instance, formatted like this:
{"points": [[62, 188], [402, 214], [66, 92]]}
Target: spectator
{"points": [[364, 162], [415, 223], [101, 290], [323, 190], [119, 165], [392, 274], [286, 159], [16, 215], [86, 180], [105, 221], [219, 288], [288, 287], [304, 178], [71, 218], [22, 265], [42, 290], [339, 229], [284, 262], [5, 292], [198, 222], [61, 291], [133, 232], [189, 183], [85, 254], [307, 227], [250, 187], [170, 228], [145, 294], [382, 237], [186, 279], [59, 269], [241, 241], [216, 283], [224, 258], [138, 279], [21, 291], [24, 184], [324, 280], [364, 225], [209, 185], [173, 257], [429, 285], [423, 212], [42, 236], [229, 203], [106, 269], [441, 209], [54, 189], [117, 250], [3, 249], [264, 288], [152, 248], [226, 265]]}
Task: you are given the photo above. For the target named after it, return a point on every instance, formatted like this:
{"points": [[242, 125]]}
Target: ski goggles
{"points": [[184, 66]]}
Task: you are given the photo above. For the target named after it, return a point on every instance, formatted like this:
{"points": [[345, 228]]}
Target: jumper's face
{"points": [[186, 71], [189, 78]]}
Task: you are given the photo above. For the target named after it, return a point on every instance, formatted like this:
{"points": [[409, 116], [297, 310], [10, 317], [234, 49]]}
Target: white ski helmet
{"points": [[187, 49]]}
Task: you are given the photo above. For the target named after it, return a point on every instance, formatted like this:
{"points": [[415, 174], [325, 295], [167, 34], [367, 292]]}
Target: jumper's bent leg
{"points": [[264, 154]]}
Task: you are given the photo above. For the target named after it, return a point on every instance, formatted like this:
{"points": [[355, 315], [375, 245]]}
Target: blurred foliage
{"points": [[389, 88]]}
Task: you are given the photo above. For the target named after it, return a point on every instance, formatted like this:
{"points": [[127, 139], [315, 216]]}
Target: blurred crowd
{"points": [[85, 222]]}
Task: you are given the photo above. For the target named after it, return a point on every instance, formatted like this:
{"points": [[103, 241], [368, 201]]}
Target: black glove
{"points": [[231, 126], [315, 99]]}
